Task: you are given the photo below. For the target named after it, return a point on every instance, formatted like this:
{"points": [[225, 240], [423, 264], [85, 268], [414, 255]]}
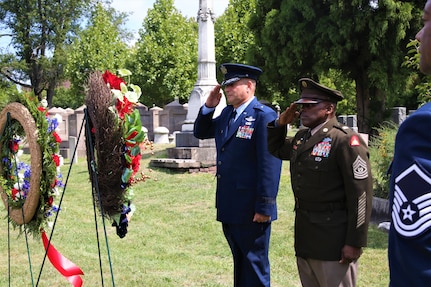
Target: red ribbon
{"points": [[66, 267]]}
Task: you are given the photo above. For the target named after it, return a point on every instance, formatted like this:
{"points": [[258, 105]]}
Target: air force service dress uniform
{"points": [[331, 181], [247, 179], [409, 246]]}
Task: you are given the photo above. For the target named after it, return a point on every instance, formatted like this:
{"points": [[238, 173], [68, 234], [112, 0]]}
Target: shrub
{"points": [[381, 154]]}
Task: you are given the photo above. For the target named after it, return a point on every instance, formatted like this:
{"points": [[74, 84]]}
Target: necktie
{"points": [[307, 135], [231, 119]]}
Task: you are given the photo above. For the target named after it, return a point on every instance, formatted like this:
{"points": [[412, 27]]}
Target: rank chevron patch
{"points": [[411, 211], [360, 170]]}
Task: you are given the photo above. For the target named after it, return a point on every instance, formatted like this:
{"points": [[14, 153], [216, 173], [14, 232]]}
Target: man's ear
{"points": [[330, 108]]}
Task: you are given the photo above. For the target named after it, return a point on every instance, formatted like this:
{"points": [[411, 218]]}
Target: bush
{"points": [[381, 154]]}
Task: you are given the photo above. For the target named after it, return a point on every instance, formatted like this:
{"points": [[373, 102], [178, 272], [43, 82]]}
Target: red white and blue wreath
{"points": [[30, 183]]}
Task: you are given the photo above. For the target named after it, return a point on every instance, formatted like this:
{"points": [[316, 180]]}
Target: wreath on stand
{"points": [[29, 190], [117, 134]]}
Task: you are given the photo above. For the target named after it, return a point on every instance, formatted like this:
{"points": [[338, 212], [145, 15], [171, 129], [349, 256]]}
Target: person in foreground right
{"points": [[332, 184], [409, 246]]}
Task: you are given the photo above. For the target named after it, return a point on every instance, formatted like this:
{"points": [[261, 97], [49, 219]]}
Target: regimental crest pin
{"points": [[411, 211]]}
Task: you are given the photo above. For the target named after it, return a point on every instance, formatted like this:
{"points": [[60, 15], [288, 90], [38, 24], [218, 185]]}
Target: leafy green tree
{"points": [[233, 37], [165, 62], [364, 39], [8, 93], [419, 82], [39, 32], [100, 46]]}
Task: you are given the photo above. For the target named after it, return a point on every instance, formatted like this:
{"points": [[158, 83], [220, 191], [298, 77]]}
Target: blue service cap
{"points": [[235, 72]]}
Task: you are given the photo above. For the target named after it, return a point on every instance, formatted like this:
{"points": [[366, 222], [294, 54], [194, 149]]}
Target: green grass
{"points": [[173, 238]]}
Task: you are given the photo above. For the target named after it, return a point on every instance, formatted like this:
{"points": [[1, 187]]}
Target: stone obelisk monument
{"points": [[190, 152], [206, 65]]}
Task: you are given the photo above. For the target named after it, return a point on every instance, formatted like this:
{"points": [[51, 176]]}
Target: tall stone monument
{"points": [[206, 67], [190, 151]]}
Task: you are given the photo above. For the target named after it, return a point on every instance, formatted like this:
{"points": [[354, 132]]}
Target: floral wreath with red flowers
{"points": [[16, 172], [121, 146]]}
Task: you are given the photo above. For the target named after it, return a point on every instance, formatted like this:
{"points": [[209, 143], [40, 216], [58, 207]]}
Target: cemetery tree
{"points": [[234, 41], [364, 39], [100, 46], [233, 37], [39, 32], [165, 63]]}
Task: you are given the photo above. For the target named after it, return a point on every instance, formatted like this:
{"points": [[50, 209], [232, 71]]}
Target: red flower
{"points": [[113, 81], [50, 201], [14, 146], [56, 159], [14, 193], [56, 137], [43, 110], [136, 161], [123, 107]]}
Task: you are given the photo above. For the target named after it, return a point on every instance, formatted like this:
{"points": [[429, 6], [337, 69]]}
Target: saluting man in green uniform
{"points": [[332, 184]]}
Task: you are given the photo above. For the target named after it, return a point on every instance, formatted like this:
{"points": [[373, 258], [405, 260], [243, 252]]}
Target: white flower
{"points": [[55, 191], [44, 103]]}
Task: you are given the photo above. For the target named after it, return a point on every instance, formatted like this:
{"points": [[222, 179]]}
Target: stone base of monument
{"points": [[189, 153], [380, 214]]}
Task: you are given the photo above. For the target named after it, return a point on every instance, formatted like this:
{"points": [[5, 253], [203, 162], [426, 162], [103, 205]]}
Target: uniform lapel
{"points": [[234, 127], [320, 134]]}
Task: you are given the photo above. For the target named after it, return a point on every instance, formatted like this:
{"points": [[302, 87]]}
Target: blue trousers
{"points": [[249, 244]]}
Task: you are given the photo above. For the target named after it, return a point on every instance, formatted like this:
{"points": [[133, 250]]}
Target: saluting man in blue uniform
{"points": [[247, 175]]}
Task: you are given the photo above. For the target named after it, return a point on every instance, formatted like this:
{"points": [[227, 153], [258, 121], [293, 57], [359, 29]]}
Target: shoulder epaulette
{"points": [[343, 128], [259, 106]]}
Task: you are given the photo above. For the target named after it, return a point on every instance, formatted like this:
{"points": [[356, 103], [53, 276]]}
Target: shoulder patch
{"points": [[360, 170], [354, 141]]}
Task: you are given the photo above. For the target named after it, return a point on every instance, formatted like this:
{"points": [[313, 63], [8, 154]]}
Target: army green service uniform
{"points": [[332, 184]]}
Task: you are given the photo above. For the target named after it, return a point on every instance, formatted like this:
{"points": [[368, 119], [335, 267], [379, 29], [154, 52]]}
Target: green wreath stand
{"points": [[21, 114]]}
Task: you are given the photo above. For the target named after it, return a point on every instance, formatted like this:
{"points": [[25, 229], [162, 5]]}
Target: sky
{"points": [[188, 8]]}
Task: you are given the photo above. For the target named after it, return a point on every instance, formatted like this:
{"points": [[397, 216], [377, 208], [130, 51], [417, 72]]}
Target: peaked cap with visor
{"points": [[234, 72], [314, 93]]}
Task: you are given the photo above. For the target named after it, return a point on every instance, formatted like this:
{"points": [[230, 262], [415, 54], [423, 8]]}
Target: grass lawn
{"points": [[173, 239]]}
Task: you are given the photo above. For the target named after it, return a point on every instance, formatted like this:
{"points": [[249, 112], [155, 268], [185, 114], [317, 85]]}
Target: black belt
{"points": [[319, 206]]}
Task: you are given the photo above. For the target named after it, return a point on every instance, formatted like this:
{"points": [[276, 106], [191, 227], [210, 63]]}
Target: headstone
{"points": [[161, 135], [398, 115]]}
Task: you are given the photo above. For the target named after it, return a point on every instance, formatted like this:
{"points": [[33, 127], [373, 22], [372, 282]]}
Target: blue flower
{"points": [[52, 124]]}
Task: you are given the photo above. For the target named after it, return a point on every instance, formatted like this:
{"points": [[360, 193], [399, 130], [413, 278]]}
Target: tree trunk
{"points": [[362, 102], [370, 104]]}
